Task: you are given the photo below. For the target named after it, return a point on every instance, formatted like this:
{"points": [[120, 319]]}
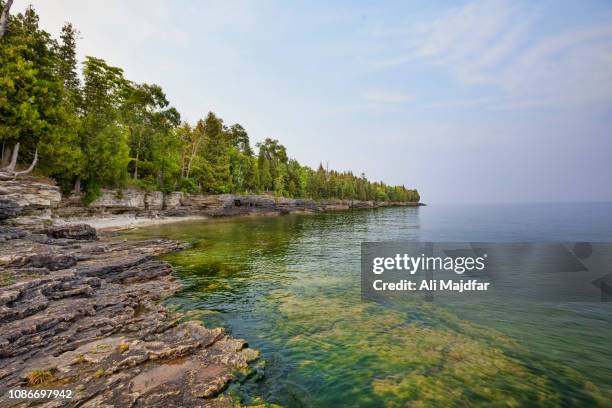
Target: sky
{"points": [[477, 101]]}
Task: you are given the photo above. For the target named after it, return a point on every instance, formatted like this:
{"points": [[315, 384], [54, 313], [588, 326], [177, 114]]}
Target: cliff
{"points": [[30, 200], [27, 196]]}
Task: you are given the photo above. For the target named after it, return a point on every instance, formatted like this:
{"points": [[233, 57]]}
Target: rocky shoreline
{"points": [[83, 314], [30, 201]]}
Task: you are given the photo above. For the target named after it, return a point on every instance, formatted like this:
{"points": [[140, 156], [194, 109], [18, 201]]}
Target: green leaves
{"points": [[108, 128]]}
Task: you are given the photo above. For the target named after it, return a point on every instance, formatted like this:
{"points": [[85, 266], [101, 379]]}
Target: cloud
{"points": [[500, 44]]}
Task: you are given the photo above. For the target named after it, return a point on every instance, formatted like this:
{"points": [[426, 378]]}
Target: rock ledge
{"points": [[83, 314]]}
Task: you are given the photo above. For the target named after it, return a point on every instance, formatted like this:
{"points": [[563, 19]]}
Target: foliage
{"points": [[40, 376], [34, 104], [102, 130]]}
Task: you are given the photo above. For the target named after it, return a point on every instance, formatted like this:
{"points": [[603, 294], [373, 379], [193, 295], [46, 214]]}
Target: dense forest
{"points": [[95, 128]]}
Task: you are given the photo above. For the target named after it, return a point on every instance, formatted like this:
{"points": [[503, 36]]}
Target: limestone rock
{"points": [[154, 200], [9, 208], [71, 231], [120, 200], [172, 200], [85, 314], [27, 196]]}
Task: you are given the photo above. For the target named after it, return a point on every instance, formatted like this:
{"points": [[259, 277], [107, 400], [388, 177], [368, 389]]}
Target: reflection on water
{"points": [[290, 285]]}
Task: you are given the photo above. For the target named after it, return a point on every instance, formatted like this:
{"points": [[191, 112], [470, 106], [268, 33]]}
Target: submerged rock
{"points": [[81, 314]]}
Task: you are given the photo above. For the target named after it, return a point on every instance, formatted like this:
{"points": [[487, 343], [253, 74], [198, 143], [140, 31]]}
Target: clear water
{"points": [[290, 286]]}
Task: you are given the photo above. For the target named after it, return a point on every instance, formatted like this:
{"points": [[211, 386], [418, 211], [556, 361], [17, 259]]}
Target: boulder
{"points": [[71, 231]]}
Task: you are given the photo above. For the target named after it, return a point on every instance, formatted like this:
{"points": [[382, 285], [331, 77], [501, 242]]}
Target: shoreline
{"points": [[122, 222], [84, 314], [127, 221], [31, 202]]}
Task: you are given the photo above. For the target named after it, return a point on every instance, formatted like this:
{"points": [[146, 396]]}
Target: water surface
{"points": [[290, 286]]}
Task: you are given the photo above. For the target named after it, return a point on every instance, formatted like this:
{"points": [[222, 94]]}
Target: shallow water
{"points": [[290, 286]]}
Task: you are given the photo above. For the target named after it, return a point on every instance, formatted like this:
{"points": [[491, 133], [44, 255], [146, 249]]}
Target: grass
{"points": [[40, 376], [6, 279]]}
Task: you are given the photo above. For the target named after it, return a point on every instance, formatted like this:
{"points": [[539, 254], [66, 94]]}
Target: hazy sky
{"points": [[488, 101]]}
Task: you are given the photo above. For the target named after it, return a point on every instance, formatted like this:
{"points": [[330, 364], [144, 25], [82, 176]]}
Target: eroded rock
{"points": [[9, 208], [27, 196], [84, 315], [71, 231]]}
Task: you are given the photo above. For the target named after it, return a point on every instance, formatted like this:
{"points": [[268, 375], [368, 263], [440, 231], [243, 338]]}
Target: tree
{"points": [[107, 128], [67, 66], [104, 139], [215, 170], [242, 163], [295, 181], [33, 110], [194, 139], [272, 161], [150, 120], [238, 137], [264, 175]]}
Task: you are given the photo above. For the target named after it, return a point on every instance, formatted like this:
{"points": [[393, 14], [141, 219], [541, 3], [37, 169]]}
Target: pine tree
{"points": [[104, 140], [68, 63], [215, 177]]}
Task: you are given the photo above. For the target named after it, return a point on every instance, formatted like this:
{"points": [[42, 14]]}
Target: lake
{"points": [[290, 285]]}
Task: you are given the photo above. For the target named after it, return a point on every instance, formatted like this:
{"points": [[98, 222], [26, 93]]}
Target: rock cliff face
{"points": [[218, 205], [82, 314], [27, 196]]}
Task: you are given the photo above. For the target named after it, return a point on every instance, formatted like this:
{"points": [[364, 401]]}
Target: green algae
{"points": [[424, 356], [290, 286]]}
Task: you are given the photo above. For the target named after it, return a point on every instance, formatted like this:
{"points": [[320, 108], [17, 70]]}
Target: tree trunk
{"points": [[183, 162], [193, 152], [137, 154], [188, 167], [29, 169], [4, 18], [136, 167], [15, 152], [77, 186], [6, 154]]}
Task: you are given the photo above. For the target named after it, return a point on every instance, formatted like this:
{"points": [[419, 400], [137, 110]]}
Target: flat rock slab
{"points": [[83, 314]]}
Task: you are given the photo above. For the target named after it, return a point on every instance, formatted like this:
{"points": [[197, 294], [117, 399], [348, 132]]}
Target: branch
{"points": [[4, 17], [29, 169]]}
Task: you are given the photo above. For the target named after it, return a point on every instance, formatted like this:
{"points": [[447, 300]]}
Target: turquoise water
{"points": [[290, 286]]}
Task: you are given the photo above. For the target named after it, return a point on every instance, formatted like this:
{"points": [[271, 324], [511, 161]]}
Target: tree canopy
{"points": [[93, 128]]}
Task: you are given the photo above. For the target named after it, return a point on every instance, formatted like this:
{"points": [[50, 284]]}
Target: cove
{"points": [[289, 285]]}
